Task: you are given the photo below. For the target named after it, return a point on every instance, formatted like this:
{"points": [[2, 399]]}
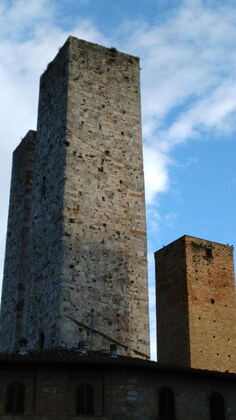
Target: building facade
{"points": [[76, 260], [64, 384]]}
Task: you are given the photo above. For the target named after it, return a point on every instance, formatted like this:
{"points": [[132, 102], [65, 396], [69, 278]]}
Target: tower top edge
{"points": [[194, 238], [28, 138], [72, 39], [73, 43]]}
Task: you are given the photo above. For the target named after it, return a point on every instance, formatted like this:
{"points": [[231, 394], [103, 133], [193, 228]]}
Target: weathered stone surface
{"points": [[15, 269], [87, 269]]}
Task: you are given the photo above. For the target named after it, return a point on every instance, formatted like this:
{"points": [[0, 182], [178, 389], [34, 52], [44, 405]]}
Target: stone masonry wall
{"points": [[104, 213], [42, 315], [14, 281], [87, 277]]}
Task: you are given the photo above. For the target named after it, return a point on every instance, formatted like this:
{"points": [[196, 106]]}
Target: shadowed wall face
{"points": [[87, 271], [172, 305], [15, 268]]}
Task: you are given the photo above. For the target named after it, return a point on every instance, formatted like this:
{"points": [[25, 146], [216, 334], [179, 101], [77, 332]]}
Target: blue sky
{"points": [[188, 83]]}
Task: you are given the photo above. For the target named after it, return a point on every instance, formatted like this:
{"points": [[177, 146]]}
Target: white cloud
{"points": [[188, 70], [188, 65], [29, 40], [156, 172], [19, 19]]}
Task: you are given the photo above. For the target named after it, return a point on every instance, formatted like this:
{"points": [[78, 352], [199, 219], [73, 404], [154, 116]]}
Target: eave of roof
{"points": [[67, 357]]}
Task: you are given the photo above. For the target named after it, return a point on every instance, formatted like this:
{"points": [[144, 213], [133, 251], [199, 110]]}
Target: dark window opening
{"points": [[85, 399], [217, 407], [15, 398], [41, 340], [43, 187], [209, 253], [166, 404], [212, 301]]}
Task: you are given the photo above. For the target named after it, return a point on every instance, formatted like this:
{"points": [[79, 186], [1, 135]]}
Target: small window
{"points": [[166, 404], [217, 407], [209, 253], [15, 398], [85, 399], [41, 340], [43, 187]]}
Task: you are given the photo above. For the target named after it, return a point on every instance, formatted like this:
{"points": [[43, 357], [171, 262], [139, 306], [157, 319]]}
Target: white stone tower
{"points": [[83, 245]]}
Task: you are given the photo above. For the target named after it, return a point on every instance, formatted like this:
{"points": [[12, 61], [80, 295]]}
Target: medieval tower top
{"points": [[196, 304], [75, 267]]}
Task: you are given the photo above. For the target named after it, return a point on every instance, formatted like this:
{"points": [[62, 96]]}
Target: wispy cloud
{"points": [[188, 61], [188, 81], [30, 38], [156, 171], [188, 93], [188, 69], [22, 18]]}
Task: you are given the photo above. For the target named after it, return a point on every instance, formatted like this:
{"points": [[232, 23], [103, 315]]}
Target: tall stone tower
{"points": [[196, 304], [75, 267]]}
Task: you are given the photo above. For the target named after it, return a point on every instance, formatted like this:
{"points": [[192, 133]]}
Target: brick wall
{"points": [[120, 392], [212, 304], [196, 304], [172, 305]]}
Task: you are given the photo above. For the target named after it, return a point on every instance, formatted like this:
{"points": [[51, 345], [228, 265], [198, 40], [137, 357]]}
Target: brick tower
{"points": [[75, 267], [196, 304]]}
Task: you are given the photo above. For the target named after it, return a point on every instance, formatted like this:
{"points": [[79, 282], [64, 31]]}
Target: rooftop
{"points": [[62, 356]]}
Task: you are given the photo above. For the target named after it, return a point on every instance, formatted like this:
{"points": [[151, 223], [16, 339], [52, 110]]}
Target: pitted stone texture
{"points": [[196, 303], [87, 271], [104, 225], [15, 268]]}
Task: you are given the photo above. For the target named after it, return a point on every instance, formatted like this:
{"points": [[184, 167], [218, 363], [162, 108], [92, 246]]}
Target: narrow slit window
{"points": [[43, 187], [166, 404], [15, 398], [209, 253], [217, 406], [85, 399]]}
